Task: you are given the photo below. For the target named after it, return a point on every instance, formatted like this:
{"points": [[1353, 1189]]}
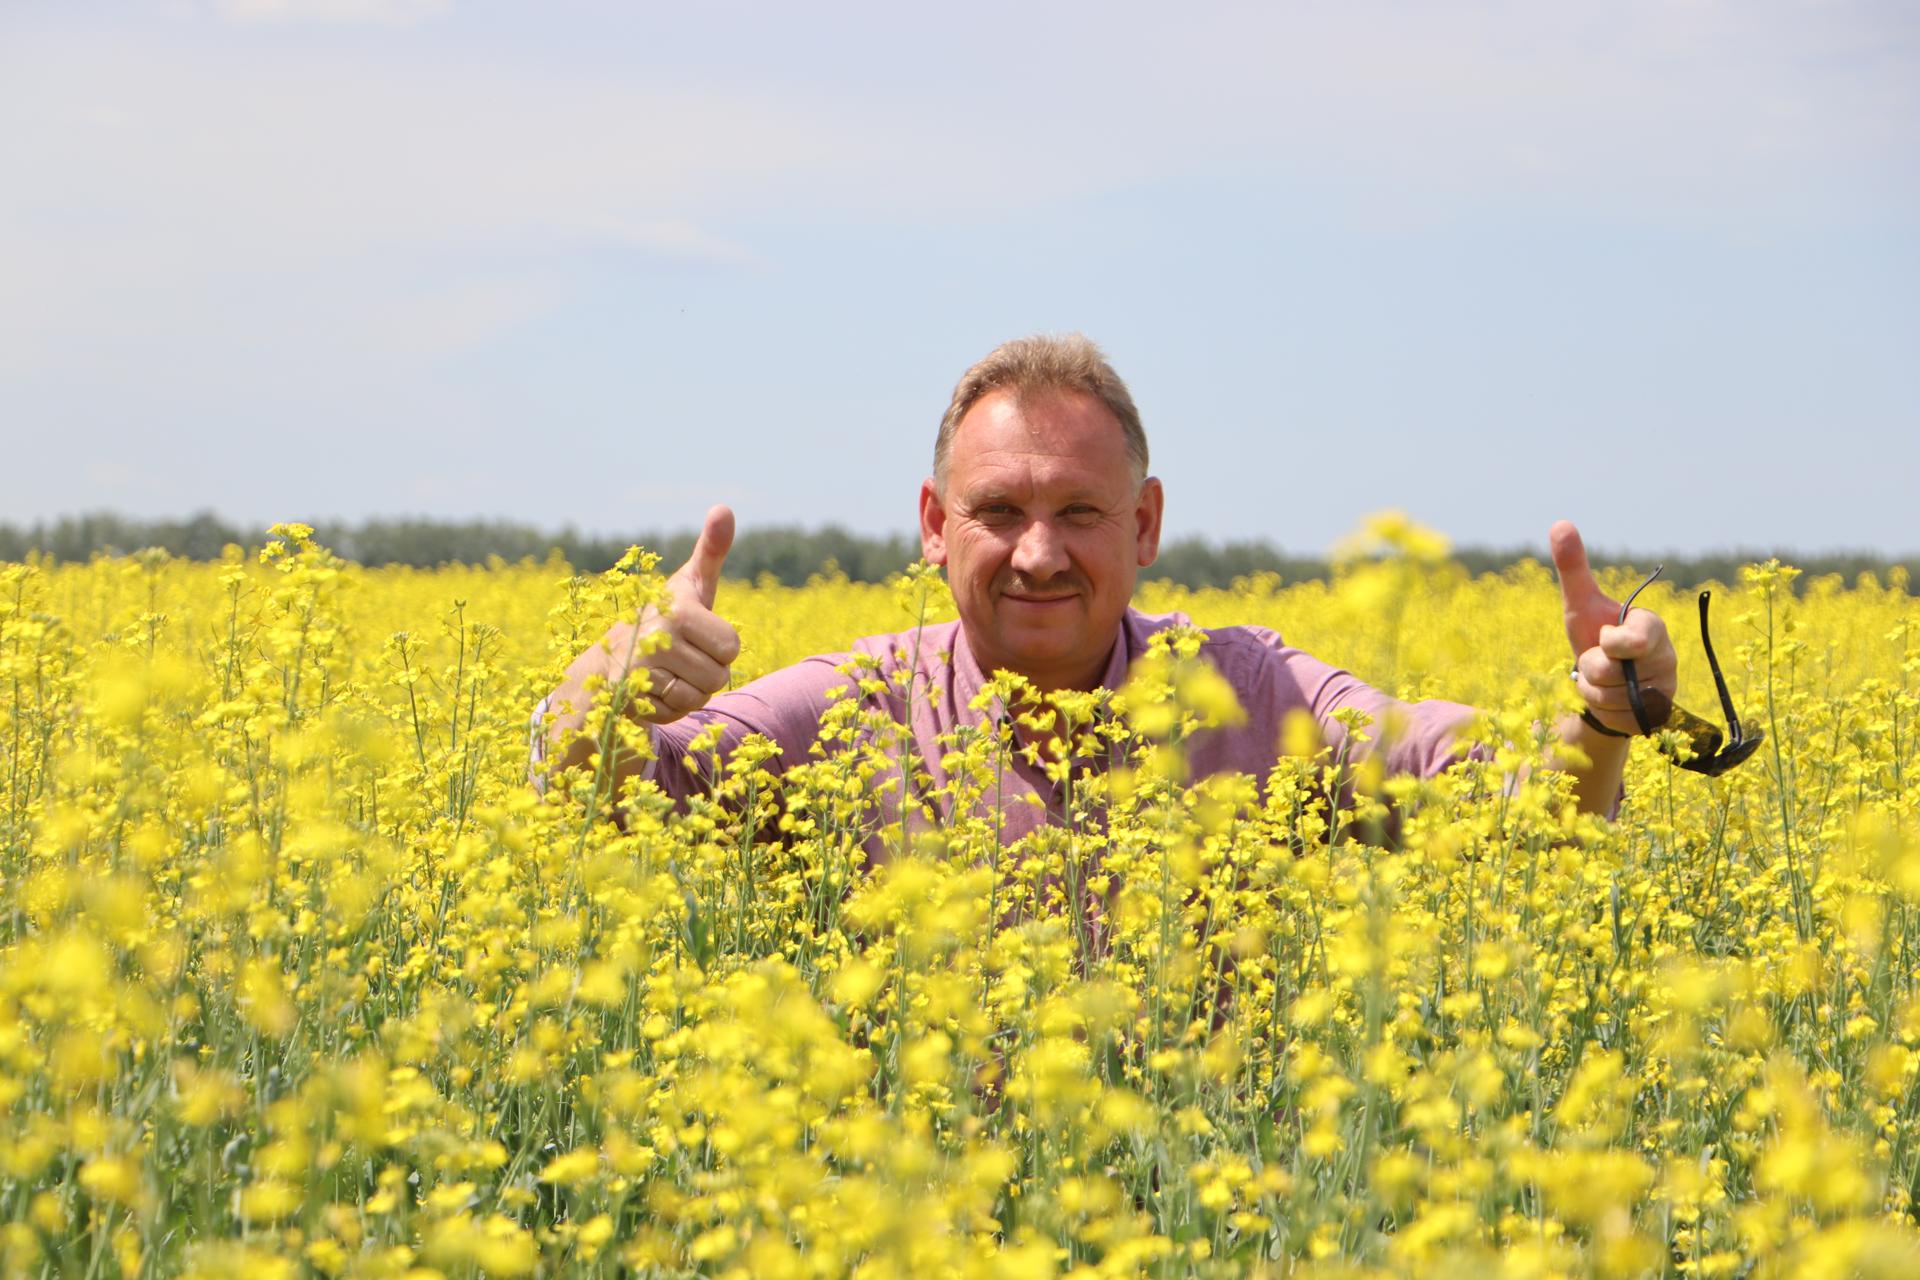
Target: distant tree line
{"points": [[789, 554]]}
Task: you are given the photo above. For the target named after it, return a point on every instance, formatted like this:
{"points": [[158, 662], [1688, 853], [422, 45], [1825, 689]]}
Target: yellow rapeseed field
{"points": [[298, 975]]}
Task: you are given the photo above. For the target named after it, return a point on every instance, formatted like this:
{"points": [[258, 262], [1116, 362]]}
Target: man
{"points": [[1042, 512]]}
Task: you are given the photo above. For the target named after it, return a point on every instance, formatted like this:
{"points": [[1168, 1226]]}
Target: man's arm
{"points": [[1596, 784], [1418, 737], [1601, 643], [676, 675]]}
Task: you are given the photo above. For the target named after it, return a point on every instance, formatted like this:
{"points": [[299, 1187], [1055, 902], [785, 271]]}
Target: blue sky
{"points": [[1654, 266]]}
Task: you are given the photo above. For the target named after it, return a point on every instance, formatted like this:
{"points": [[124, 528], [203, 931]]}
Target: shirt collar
{"points": [[969, 679]]}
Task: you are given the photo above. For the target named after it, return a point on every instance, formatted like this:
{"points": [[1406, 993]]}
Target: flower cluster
{"points": [[299, 976]]}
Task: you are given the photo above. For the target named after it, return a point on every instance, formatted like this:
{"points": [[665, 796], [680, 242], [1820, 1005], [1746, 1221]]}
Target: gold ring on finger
{"points": [[661, 692]]}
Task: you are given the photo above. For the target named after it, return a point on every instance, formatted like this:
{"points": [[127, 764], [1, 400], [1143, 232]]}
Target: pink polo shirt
{"points": [[1270, 677]]}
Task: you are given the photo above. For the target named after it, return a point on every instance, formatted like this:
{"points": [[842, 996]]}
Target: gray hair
{"points": [[1043, 363]]}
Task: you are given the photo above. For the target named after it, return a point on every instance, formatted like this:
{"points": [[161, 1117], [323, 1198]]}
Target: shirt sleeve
{"points": [[1416, 737], [537, 747], [784, 706]]}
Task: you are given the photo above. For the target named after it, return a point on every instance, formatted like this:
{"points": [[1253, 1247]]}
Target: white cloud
{"points": [[229, 207], [672, 237], [309, 156], [212, 159], [376, 12], [154, 190], [430, 323]]}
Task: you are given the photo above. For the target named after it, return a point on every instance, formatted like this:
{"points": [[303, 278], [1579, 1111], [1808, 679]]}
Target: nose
{"points": [[1041, 552]]}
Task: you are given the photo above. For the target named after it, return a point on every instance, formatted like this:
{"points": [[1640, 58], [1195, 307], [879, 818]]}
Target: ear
{"points": [[1146, 515], [933, 524]]}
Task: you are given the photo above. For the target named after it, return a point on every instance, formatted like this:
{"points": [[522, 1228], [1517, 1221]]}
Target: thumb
{"points": [[1578, 590], [1587, 608], [702, 569]]}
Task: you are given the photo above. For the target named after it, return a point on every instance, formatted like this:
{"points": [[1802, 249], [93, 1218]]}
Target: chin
{"points": [[1036, 652]]}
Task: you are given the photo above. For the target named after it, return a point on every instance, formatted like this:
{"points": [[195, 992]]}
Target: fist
{"points": [[1601, 642], [696, 661]]}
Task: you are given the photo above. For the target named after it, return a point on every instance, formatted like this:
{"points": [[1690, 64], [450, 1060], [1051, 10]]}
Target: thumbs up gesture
{"points": [[1601, 642], [696, 660]]}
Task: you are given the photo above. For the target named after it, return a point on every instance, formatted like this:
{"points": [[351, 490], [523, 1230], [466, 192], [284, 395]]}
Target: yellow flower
{"points": [[114, 1179], [572, 1168]]}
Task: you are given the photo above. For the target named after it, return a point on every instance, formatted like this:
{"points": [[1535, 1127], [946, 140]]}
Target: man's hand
{"points": [[678, 677], [1600, 642], [697, 660]]}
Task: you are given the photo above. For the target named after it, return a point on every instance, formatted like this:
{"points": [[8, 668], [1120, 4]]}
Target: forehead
{"points": [[1045, 437]]}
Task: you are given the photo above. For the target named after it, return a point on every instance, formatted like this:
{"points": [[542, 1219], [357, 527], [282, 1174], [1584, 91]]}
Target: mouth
{"points": [[1021, 597]]}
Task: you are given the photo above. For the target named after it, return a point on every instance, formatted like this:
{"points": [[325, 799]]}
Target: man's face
{"points": [[1042, 530]]}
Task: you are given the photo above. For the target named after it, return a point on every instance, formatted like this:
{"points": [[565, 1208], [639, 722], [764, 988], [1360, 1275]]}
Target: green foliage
{"points": [[792, 555]]}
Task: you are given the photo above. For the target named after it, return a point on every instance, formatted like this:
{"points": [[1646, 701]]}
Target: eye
{"points": [[1081, 513]]}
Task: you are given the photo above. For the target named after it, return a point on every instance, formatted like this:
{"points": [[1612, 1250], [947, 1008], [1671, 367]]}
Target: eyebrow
{"points": [[978, 497]]}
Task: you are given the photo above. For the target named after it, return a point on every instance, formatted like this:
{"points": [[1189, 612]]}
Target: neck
{"points": [[1079, 677]]}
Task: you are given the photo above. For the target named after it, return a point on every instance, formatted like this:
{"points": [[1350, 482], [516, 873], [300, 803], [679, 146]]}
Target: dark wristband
{"points": [[1593, 722]]}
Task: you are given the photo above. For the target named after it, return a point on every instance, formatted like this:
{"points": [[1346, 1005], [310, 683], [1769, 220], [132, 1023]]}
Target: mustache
{"points": [[1063, 584]]}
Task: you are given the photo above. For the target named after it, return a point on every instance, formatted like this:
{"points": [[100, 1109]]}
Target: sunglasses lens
{"points": [[1715, 765], [1741, 750], [1702, 736]]}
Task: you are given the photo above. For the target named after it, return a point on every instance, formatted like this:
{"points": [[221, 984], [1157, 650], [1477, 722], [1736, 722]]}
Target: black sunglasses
{"points": [[1713, 752]]}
